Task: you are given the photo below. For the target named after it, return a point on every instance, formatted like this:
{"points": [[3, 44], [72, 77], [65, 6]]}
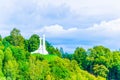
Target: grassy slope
{"points": [[50, 57]]}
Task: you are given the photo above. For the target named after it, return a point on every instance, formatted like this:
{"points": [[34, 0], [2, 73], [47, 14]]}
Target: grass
{"points": [[48, 57]]}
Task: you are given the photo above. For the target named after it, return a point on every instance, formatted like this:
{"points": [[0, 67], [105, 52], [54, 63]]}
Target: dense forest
{"points": [[17, 62]]}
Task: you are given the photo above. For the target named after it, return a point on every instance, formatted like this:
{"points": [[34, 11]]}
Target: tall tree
{"points": [[15, 38], [33, 43], [80, 56]]}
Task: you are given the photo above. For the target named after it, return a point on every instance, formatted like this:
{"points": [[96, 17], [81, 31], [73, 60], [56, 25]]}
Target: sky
{"points": [[66, 23]]}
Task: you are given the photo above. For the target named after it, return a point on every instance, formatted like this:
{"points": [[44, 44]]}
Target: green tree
{"points": [[15, 38], [18, 53], [1, 46], [52, 50], [100, 70], [59, 70], [38, 69], [33, 43], [1, 58], [8, 54], [23, 70], [68, 56], [11, 70], [26, 42], [114, 69], [10, 67], [57, 51], [98, 55], [80, 56], [1, 64]]}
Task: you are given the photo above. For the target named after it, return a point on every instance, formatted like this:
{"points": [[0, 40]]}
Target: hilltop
{"points": [[17, 62]]}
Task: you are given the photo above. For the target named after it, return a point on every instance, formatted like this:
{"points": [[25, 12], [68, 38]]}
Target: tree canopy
{"points": [[17, 62]]}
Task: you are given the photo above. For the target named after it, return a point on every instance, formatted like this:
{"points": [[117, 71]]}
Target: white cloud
{"points": [[85, 7], [65, 12], [57, 31], [110, 29], [95, 7], [106, 33], [77, 7]]}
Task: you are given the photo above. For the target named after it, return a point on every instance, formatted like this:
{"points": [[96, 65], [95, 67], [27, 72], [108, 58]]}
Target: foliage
{"points": [[15, 38], [50, 57], [68, 56], [100, 70], [80, 56], [17, 63], [99, 61], [33, 43], [52, 50], [11, 69]]}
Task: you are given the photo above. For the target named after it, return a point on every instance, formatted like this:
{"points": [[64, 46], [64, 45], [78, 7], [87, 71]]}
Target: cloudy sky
{"points": [[66, 23]]}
